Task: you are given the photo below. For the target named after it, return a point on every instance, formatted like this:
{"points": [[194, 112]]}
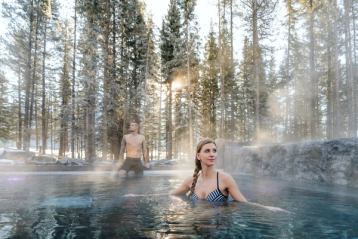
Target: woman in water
{"points": [[207, 183]]}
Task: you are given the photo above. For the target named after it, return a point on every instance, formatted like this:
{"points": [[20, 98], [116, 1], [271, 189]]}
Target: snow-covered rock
{"points": [[331, 161], [42, 159], [14, 154]]}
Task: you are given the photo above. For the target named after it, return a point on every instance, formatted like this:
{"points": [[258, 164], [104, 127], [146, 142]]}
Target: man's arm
{"points": [[123, 147], [145, 153]]}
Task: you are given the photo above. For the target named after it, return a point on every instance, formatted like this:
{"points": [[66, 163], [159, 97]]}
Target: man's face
{"points": [[133, 127]]}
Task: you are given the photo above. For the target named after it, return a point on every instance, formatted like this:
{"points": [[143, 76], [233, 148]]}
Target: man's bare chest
{"points": [[134, 140]]}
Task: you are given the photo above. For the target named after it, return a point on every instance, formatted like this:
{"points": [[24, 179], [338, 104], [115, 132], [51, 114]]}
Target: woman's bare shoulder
{"points": [[225, 176], [188, 180]]}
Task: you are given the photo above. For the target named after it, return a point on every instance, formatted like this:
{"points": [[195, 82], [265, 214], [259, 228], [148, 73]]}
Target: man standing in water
{"points": [[134, 145]]}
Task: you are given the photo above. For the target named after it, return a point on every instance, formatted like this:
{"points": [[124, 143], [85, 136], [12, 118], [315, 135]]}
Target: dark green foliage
{"points": [[170, 44], [209, 88], [5, 111]]}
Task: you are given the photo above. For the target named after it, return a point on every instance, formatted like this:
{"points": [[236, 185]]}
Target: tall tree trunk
{"points": [[231, 32], [65, 94], [84, 136], [354, 15], [330, 92], [332, 55], [160, 121], [113, 127], [37, 130], [313, 106], [352, 124], [232, 102], [106, 83], [355, 63], [221, 78], [19, 114], [27, 127], [33, 80], [287, 124], [90, 137], [255, 48], [190, 123], [124, 77], [169, 124], [53, 125], [80, 134], [43, 106], [90, 65], [145, 88], [73, 93]]}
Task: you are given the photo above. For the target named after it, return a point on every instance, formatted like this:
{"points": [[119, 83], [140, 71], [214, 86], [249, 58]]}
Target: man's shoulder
{"points": [[141, 137], [126, 137]]}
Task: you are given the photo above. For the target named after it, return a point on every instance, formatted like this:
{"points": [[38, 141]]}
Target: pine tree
{"points": [[228, 86], [351, 85], [29, 18], [329, 64], [65, 93], [171, 61], [16, 60], [90, 68], [273, 119], [5, 116], [247, 102], [150, 104], [105, 22], [117, 81], [259, 16], [190, 70], [73, 83], [137, 49], [50, 17], [286, 70], [209, 88]]}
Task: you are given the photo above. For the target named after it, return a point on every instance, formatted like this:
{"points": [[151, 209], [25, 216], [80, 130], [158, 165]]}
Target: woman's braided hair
{"points": [[198, 163]]}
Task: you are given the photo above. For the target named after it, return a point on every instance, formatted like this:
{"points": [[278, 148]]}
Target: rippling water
{"points": [[98, 205]]}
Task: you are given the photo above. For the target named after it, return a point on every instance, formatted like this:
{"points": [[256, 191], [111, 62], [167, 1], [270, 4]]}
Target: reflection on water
{"points": [[86, 205], [68, 202]]}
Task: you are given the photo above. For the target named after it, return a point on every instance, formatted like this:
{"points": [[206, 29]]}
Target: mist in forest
{"points": [[263, 72]]}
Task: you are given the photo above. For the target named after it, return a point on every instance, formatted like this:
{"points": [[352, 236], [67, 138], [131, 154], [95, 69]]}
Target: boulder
{"points": [[330, 161], [43, 159], [71, 162], [13, 154]]}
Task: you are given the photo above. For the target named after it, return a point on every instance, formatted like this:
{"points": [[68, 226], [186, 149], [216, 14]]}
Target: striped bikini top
{"points": [[214, 196]]}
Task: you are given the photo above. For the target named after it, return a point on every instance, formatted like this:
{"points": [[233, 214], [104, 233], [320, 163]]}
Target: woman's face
{"points": [[207, 154]]}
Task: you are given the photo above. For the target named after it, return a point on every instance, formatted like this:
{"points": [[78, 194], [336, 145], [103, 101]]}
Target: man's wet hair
{"points": [[134, 121]]}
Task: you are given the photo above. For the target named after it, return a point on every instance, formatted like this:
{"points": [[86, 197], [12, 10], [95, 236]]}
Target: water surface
{"points": [[98, 205]]}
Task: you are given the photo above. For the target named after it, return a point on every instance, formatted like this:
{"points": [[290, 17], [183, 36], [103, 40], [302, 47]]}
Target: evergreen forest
{"points": [[70, 85]]}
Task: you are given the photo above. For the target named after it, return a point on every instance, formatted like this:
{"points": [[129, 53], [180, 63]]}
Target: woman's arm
{"points": [[233, 189], [183, 188], [237, 195]]}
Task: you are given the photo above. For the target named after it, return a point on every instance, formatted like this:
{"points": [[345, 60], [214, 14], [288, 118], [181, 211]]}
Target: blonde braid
{"points": [[195, 176]]}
